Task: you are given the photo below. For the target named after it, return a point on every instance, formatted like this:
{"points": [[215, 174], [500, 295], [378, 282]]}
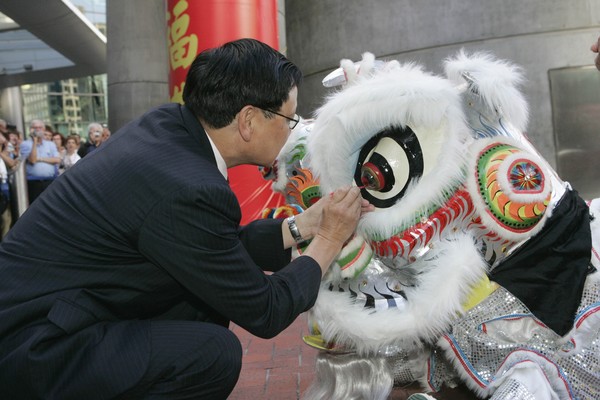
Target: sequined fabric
{"points": [[500, 333], [590, 296], [440, 372], [403, 374], [511, 390]]}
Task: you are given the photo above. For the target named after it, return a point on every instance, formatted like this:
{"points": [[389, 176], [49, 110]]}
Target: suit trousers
{"points": [[165, 359], [189, 360]]}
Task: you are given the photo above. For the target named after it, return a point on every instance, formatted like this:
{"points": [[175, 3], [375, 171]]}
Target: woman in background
{"points": [[59, 141], [71, 156]]}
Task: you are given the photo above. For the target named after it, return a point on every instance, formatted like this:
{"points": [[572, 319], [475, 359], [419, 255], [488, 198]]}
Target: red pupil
{"points": [[371, 177]]}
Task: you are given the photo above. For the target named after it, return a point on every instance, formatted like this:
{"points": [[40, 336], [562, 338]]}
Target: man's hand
{"points": [[341, 214], [341, 211], [310, 220]]}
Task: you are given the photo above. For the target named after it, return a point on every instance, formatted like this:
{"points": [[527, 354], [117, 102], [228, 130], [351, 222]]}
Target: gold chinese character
{"points": [[178, 93], [182, 52]]}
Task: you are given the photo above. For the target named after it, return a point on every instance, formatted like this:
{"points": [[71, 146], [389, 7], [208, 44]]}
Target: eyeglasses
{"points": [[292, 122]]}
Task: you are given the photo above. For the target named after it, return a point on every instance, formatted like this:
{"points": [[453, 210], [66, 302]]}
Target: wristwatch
{"points": [[291, 221]]}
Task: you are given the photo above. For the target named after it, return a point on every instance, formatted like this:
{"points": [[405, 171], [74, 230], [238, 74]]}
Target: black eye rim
{"points": [[409, 142]]}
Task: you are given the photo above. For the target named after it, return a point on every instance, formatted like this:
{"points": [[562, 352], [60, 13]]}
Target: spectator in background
{"points": [[42, 160], [94, 139], [48, 132], [59, 142], [77, 139], [105, 134], [7, 162], [596, 49], [71, 156], [5, 151], [14, 143], [9, 143]]}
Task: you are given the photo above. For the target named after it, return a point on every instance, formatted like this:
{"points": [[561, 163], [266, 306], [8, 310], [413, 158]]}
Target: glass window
{"points": [[575, 96], [68, 105]]}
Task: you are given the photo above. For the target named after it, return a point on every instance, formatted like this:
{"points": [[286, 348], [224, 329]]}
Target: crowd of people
{"points": [[46, 153]]}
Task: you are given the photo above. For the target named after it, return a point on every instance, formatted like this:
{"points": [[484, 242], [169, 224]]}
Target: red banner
{"points": [[196, 25]]}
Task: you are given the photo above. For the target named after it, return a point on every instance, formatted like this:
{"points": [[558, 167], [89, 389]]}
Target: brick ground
{"points": [[282, 368], [276, 369]]}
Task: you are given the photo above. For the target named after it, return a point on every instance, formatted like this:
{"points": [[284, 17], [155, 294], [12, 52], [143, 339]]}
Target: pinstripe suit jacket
{"points": [[143, 228]]}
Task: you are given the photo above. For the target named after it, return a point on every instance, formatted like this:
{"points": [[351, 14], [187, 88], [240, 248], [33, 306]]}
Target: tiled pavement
{"points": [[275, 369], [282, 368]]}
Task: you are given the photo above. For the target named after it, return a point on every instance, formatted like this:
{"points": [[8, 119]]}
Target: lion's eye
{"points": [[387, 164]]}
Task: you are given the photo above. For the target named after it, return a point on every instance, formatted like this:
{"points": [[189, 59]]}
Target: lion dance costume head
{"points": [[477, 265]]}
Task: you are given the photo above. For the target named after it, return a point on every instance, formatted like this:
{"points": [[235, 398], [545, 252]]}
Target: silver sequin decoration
{"points": [[511, 390], [500, 325]]}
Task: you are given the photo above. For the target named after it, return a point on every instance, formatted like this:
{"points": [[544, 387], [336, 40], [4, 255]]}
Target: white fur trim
{"points": [[497, 82], [446, 279], [349, 70], [367, 64]]}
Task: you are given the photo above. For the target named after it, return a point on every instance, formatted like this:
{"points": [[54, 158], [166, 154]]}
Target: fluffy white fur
{"points": [[353, 72], [397, 95], [447, 277], [497, 82]]}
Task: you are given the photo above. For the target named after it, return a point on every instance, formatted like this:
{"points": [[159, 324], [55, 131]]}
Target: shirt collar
{"points": [[218, 157]]}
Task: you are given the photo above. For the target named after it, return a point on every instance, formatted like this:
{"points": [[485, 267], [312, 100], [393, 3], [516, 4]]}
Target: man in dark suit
{"points": [[122, 286]]}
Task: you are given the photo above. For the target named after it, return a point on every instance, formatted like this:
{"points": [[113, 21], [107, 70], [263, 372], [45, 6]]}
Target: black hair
{"points": [[221, 81]]}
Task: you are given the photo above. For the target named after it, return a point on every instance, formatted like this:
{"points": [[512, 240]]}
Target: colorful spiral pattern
{"points": [[524, 177]]}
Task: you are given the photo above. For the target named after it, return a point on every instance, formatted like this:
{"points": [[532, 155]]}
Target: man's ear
{"points": [[247, 122]]}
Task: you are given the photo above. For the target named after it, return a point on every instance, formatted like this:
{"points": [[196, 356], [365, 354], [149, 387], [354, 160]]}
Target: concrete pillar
{"points": [[11, 107], [138, 62], [19, 194], [281, 26], [539, 35]]}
